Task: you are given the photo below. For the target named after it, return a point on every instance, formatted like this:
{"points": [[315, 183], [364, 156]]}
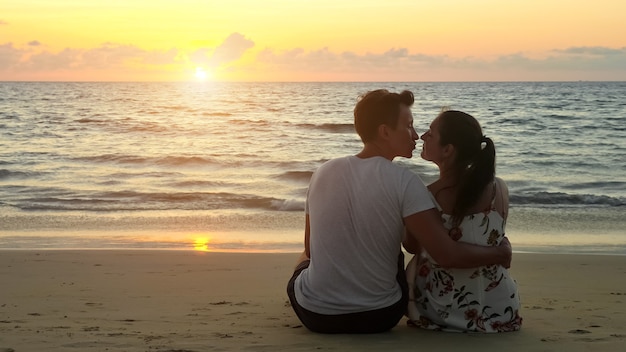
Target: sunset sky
{"points": [[312, 40]]}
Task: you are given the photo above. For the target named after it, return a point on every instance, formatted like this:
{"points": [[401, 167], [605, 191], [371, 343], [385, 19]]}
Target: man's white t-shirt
{"points": [[356, 207]]}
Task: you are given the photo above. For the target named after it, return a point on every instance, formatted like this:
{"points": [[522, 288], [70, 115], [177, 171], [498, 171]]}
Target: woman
{"points": [[473, 205]]}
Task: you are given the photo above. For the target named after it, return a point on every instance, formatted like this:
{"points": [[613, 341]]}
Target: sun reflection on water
{"points": [[201, 244]]}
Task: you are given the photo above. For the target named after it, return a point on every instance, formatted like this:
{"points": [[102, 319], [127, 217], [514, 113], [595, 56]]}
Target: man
{"points": [[357, 209]]}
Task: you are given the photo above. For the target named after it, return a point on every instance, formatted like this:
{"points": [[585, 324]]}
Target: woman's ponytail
{"points": [[475, 159]]}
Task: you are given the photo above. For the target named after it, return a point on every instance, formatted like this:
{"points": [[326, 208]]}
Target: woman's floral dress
{"points": [[483, 299]]}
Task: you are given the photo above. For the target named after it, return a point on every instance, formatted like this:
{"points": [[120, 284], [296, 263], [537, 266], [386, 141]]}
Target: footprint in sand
{"points": [[222, 336], [591, 339], [579, 331], [6, 349], [540, 307], [220, 303]]}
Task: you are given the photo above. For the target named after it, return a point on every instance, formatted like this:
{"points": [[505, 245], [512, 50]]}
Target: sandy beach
{"points": [[98, 300]]}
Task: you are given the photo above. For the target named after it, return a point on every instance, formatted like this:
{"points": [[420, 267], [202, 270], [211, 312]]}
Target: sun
{"points": [[201, 74]]}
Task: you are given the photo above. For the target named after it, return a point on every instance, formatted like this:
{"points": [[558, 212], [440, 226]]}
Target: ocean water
{"points": [[225, 166]]}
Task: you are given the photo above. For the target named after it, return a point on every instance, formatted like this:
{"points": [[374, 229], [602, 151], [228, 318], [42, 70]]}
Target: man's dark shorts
{"points": [[372, 321]]}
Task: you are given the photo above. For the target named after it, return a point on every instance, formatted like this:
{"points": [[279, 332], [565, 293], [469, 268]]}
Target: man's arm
{"points": [[307, 236], [428, 230], [306, 254], [410, 243]]}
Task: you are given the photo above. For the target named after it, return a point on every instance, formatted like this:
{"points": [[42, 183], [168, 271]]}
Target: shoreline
{"points": [[270, 241], [162, 300], [269, 251], [533, 230]]}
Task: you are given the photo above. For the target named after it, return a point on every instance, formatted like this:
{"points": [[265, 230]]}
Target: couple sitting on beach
{"points": [[360, 209]]}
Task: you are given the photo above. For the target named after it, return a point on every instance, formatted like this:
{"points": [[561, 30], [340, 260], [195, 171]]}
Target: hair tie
{"points": [[483, 142]]}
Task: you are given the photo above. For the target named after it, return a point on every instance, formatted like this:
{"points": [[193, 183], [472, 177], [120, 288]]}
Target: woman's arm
{"points": [[502, 198]]}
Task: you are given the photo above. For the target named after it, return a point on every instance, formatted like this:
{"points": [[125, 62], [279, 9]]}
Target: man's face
{"points": [[404, 135]]}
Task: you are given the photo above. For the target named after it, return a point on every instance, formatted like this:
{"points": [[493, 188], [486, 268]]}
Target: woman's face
{"points": [[432, 150]]}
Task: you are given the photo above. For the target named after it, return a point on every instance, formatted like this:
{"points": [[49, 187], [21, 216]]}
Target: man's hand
{"points": [[505, 247]]}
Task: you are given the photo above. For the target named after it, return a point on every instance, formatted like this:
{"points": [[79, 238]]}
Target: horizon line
{"points": [[211, 81]]}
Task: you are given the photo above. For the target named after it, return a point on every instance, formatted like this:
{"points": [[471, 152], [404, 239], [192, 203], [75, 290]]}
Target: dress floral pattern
{"points": [[483, 299]]}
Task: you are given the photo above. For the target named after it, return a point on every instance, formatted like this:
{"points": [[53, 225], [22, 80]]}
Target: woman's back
{"points": [[483, 299]]}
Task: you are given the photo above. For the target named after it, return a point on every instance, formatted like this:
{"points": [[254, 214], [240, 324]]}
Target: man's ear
{"points": [[383, 132]]}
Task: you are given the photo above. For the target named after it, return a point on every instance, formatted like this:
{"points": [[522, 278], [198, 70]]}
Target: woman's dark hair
{"points": [[475, 162], [379, 107]]}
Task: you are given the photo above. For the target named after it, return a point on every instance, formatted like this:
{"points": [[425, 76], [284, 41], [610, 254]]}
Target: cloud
{"points": [[156, 57], [10, 55], [394, 64], [325, 60], [106, 56], [400, 64], [592, 50], [231, 49], [574, 58], [45, 61], [110, 55], [199, 56], [3, 23]]}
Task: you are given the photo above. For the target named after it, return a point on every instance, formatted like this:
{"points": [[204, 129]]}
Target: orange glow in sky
{"points": [[312, 40]]}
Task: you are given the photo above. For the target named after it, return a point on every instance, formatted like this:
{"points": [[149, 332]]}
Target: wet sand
{"points": [[121, 300]]}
